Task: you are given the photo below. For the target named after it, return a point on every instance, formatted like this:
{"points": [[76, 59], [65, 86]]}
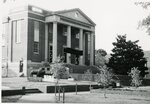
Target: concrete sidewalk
{"points": [[15, 84], [19, 82], [37, 98], [6, 88]]}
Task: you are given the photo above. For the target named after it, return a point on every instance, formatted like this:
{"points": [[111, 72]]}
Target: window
{"points": [[89, 45], [65, 31], [36, 37], [77, 35], [17, 30], [36, 47], [36, 31]]}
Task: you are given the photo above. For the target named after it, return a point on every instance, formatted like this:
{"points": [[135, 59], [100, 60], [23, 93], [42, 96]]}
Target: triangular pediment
{"points": [[76, 14]]}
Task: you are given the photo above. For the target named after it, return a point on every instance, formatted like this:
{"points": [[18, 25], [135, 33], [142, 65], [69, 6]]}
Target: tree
{"points": [[100, 59], [146, 21], [105, 77], [126, 55], [59, 70]]}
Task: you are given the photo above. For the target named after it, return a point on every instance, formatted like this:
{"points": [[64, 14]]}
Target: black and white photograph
{"points": [[75, 51]]}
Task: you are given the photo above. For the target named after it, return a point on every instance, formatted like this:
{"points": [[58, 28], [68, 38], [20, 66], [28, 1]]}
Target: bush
{"points": [[87, 76], [105, 77], [41, 73], [80, 69], [135, 77], [59, 70]]}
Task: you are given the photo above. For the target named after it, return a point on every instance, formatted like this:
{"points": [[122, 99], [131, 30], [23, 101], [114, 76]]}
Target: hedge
{"points": [[81, 69]]}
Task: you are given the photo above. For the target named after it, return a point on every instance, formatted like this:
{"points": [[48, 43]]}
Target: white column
{"points": [[92, 49], [68, 43], [81, 46], [46, 42], [54, 41], [84, 48]]}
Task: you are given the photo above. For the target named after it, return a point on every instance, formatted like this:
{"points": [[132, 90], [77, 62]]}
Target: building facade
{"points": [[32, 36]]}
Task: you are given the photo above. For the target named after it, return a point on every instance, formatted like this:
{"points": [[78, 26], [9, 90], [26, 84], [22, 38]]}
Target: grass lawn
{"points": [[111, 99], [83, 97]]}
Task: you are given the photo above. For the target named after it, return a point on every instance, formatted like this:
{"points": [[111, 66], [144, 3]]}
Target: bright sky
{"points": [[112, 17]]}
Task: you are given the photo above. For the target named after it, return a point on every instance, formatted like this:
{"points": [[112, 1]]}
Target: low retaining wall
{"points": [[71, 88], [12, 92]]}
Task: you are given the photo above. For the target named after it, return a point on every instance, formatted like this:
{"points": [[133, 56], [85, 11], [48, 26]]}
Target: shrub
{"points": [[80, 69], [135, 77], [105, 77], [59, 70], [41, 73], [87, 76]]}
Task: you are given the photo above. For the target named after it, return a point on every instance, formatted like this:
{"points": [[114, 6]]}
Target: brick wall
{"points": [[31, 55]]}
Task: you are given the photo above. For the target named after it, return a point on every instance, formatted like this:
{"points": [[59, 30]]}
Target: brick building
{"points": [[35, 35]]}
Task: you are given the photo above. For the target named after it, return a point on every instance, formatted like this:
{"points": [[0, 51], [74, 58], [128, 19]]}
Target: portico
{"points": [[84, 34]]}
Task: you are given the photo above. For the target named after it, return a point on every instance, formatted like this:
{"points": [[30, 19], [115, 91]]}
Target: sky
{"points": [[112, 18]]}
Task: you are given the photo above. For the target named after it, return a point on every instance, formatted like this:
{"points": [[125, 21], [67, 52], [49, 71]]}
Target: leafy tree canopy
{"points": [[146, 21], [100, 59], [126, 55]]}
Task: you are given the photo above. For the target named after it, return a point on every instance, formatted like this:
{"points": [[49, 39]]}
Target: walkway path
{"points": [[19, 82]]}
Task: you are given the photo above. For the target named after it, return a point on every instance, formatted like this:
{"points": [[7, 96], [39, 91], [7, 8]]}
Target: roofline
{"points": [[74, 20], [50, 13], [64, 11], [86, 16]]}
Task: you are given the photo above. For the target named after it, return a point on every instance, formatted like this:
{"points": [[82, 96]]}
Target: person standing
{"points": [[21, 65]]}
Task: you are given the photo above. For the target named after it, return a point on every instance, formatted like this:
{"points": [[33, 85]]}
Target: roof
{"points": [[71, 10]]}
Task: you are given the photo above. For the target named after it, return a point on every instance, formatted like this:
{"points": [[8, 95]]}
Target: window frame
{"points": [[65, 33], [36, 31], [36, 37], [36, 52], [77, 35]]}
